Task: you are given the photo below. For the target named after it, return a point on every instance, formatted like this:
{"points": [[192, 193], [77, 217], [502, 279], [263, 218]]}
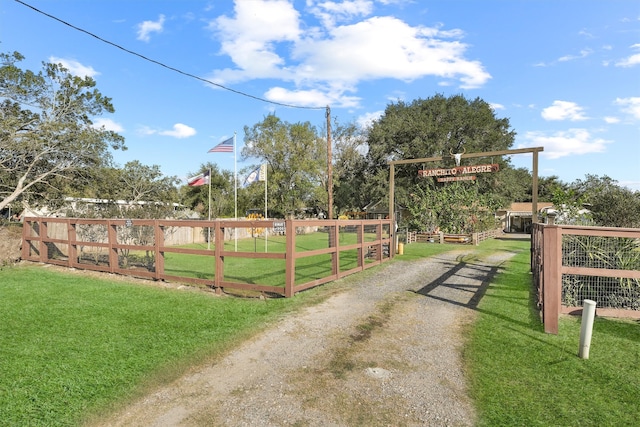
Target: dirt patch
{"points": [[10, 244], [386, 351]]}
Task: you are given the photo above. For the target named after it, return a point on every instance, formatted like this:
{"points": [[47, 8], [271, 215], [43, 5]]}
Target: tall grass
{"points": [[522, 376]]}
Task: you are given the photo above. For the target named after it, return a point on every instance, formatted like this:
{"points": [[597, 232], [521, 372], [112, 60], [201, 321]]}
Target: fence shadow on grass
{"points": [[474, 279]]}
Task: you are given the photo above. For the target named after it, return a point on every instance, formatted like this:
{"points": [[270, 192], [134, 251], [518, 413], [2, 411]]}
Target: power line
{"points": [[165, 65]]}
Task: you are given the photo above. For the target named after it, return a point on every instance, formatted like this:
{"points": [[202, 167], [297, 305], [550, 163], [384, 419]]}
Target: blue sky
{"points": [[565, 73]]}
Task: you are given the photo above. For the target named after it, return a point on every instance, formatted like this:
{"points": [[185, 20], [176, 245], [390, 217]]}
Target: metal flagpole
{"points": [[235, 187], [264, 165], [209, 228]]}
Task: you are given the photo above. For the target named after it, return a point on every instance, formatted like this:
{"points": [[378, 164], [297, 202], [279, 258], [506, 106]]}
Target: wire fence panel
{"points": [[601, 252], [574, 263]]}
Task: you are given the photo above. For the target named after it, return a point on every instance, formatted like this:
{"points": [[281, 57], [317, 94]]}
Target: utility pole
{"points": [[329, 165]]}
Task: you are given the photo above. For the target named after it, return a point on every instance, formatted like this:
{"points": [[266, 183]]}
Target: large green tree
{"points": [[296, 157], [349, 149], [47, 137], [433, 127], [610, 204], [148, 193]]}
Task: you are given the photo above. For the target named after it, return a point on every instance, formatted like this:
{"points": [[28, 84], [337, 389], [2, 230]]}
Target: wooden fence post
{"points": [[552, 278], [158, 231], [44, 250], [361, 253], [218, 247], [335, 257], [290, 261], [112, 233], [26, 232], [73, 246]]}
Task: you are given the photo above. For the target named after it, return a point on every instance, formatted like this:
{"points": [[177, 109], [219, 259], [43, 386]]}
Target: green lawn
{"points": [[521, 376], [72, 345], [266, 271]]}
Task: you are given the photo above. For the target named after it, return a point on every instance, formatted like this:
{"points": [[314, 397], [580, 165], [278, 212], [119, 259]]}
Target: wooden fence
{"points": [[109, 245], [440, 237], [569, 262]]}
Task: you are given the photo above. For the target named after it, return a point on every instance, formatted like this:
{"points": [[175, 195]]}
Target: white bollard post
{"points": [[588, 315]]}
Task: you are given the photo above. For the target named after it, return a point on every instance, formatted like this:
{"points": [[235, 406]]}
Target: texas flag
{"points": [[197, 180]]}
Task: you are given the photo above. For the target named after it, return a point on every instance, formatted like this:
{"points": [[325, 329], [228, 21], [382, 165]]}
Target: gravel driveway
{"points": [[384, 352]]}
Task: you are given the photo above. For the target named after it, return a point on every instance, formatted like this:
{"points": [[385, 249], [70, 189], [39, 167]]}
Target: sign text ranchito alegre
{"points": [[459, 170]]}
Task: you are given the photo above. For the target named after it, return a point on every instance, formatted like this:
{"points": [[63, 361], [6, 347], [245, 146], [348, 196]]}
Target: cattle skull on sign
{"points": [[457, 156]]}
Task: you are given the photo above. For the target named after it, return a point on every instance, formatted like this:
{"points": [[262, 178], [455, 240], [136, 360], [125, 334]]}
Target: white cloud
{"points": [[75, 68], [330, 12], [108, 124], [629, 106], [611, 120], [583, 54], [312, 97], [586, 34], [631, 185], [385, 47], [147, 27], [366, 120], [145, 130], [179, 131], [564, 110], [631, 60], [495, 106], [249, 38], [266, 39], [566, 143]]}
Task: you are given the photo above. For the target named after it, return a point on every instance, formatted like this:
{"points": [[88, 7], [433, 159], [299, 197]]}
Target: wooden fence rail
{"points": [[440, 237], [106, 244], [552, 257]]}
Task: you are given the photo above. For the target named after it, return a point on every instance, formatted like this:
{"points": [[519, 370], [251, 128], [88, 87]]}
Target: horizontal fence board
{"points": [[602, 272], [604, 312], [306, 254], [41, 236], [187, 251], [82, 243], [259, 255], [253, 287]]}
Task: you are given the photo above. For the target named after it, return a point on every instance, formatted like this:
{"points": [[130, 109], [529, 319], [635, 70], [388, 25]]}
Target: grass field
{"points": [[72, 345], [521, 376], [266, 271]]}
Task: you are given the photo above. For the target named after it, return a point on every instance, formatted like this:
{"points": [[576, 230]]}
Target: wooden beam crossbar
{"points": [[533, 150]]}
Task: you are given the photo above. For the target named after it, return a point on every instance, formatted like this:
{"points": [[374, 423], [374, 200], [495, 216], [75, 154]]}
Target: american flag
{"points": [[223, 147]]}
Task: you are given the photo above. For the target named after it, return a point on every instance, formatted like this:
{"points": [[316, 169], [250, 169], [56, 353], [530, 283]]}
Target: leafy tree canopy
{"points": [[610, 204], [433, 127], [296, 158], [147, 193], [349, 162], [47, 137]]}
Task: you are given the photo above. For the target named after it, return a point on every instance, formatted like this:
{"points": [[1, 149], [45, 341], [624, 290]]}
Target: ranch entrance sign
{"points": [[448, 174], [459, 173]]}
